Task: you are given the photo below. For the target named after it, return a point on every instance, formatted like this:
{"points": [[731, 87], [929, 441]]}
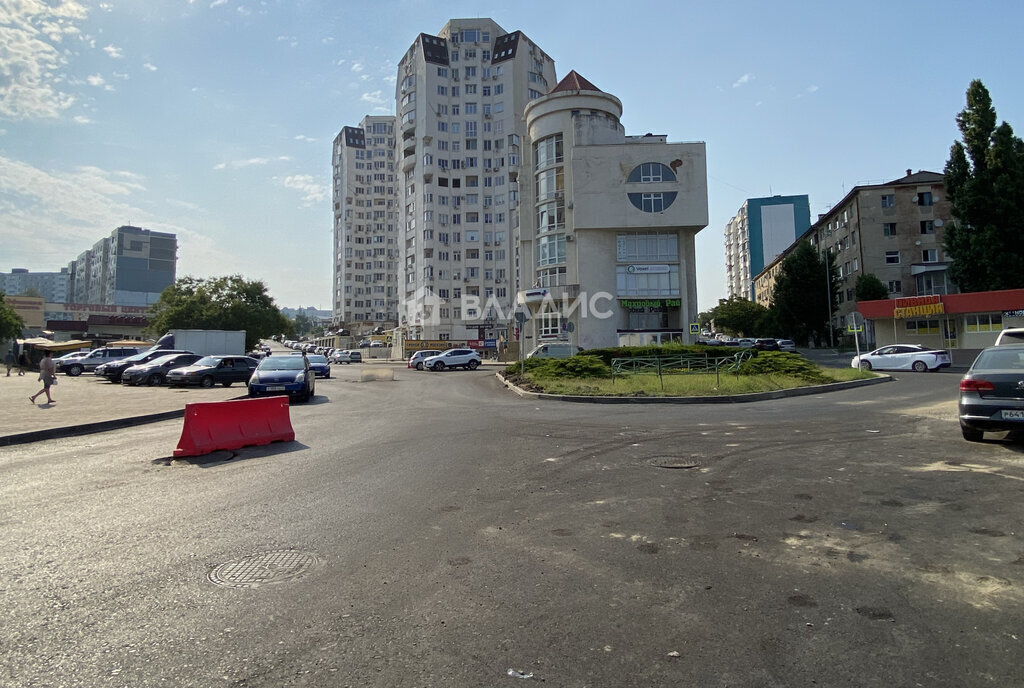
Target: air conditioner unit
{"points": [[487, 115], [497, 281], [570, 237]]}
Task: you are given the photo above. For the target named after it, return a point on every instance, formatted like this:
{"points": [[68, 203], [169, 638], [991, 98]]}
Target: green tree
{"points": [[741, 317], [219, 303], [303, 325], [805, 292], [870, 288], [985, 184], [11, 323]]}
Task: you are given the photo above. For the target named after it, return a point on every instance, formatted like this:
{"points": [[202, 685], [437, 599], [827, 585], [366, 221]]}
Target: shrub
{"points": [[579, 366], [782, 363]]}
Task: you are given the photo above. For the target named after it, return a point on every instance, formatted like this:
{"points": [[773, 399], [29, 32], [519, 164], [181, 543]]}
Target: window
{"points": [[888, 200], [930, 255], [651, 172], [927, 227], [922, 327], [889, 229], [647, 247], [985, 322], [895, 286], [551, 249], [550, 323], [663, 282], [548, 151], [924, 198], [892, 257]]}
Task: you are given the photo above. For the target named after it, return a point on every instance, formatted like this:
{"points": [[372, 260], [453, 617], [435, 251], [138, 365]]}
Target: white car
{"points": [[454, 358], [416, 360], [786, 344], [903, 357]]}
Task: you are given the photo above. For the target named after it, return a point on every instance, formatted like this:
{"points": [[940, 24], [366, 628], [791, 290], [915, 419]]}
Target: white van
{"points": [[554, 350], [1011, 335]]}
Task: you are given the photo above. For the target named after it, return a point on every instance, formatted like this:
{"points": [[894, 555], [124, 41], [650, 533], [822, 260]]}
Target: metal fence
{"points": [[679, 364]]}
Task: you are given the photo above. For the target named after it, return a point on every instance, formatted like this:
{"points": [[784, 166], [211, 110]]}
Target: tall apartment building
{"points": [[366, 240], [608, 224], [52, 286], [761, 230], [461, 96], [894, 231], [131, 267]]}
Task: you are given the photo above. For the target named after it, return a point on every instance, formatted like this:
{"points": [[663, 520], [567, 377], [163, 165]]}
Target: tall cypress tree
{"points": [[985, 185]]}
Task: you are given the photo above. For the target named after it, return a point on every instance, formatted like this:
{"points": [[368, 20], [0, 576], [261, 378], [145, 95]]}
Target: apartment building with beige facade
{"points": [[893, 230]]}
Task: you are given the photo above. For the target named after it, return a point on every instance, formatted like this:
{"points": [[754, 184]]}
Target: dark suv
{"points": [[766, 344]]}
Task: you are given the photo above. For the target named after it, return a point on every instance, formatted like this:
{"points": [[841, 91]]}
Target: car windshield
{"points": [[162, 359], [282, 363], [137, 357], [317, 358], [207, 361]]}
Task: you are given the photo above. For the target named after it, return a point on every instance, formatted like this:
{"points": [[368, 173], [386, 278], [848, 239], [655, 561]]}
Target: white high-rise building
{"points": [[366, 241], [461, 96]]}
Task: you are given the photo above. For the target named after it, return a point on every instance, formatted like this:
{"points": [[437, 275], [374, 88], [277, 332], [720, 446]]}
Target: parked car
{"points": [[1011, 335], [903, 357], [66, 358], [416, 360], [765, 344], [746, 342], [210, 370], [319, 364], [154, 372], [347, 356], [554, 350], [454, 358], [279, 375], [992, 392], [786, 344], [95, 358], [114, 370]]}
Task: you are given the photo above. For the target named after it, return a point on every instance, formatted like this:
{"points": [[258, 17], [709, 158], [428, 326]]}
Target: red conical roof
{"points": [[574, 82]]}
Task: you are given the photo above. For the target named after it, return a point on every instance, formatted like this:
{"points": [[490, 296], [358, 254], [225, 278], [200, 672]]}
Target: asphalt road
{"points": [[440, 531]]}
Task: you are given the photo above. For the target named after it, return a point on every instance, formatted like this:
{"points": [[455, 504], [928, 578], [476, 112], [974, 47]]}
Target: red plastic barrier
{"points": [[215, 425]]}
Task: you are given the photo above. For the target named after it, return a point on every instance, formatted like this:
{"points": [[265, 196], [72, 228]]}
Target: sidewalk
{"points": [[88, 403]]}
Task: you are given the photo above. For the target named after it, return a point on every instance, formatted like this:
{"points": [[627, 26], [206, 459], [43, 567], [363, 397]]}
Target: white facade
{"points": [[461, 96], [608, 224], [366, 251]]}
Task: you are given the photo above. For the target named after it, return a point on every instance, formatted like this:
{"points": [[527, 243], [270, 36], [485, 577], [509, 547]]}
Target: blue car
{"points": [[319, 365], [280, 375]]}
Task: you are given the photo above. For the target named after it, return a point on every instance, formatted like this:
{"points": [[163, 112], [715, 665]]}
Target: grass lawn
{"points": [[685, 385]]}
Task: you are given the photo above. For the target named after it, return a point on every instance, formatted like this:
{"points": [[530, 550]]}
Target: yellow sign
{"points": [[851, 328], [923, 309]]}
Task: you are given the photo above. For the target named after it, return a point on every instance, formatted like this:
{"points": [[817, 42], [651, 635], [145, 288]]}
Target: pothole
{"points": [[264, 568], [674, 462]]}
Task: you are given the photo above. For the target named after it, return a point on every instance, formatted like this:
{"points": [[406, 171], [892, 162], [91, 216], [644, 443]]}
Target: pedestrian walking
{"points": [[9, 360], [48, 374], [22, 363]]}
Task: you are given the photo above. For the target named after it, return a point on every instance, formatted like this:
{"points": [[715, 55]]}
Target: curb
{"points": [[92, 428], [731, 399]]}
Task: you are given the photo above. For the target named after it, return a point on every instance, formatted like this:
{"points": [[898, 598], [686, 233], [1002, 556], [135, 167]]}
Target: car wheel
{"points": [[920, 367], [439, 366], [155, 380], [472, 365], [206, 382], [971, 434], [74, 371], [865, 365], [419, 365]]}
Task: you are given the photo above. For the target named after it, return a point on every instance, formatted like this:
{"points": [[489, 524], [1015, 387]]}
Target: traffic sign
{"points": [[694, 328]]}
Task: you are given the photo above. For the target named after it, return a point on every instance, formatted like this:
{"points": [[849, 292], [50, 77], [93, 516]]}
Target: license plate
{"points": [[275, 388], [1013, 415]]}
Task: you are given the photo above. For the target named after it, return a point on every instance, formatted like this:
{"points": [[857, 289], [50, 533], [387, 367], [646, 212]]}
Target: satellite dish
{"points": [[938, 223]]}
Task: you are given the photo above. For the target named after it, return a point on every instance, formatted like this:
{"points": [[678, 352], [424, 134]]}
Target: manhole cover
{"points": [[263, 568], [674, 462]]}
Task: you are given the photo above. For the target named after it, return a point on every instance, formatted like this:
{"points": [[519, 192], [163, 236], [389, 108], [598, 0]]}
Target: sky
{"points": [[214, 119]]}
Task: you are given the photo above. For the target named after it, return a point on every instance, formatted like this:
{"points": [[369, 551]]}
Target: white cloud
{"points": [[249, 162], [745, 79], [95, 80], [113, 51], [812, 89], [149, 67], [217, 3], [30, 70], [375, 98], [303, 137], [357, 67], [243, 10], [313, 192], [82, 119]]}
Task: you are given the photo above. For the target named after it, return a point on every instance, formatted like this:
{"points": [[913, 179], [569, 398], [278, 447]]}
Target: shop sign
{"points": [[646, 269], [914, 306], [651, 303], [1019, 313]]}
